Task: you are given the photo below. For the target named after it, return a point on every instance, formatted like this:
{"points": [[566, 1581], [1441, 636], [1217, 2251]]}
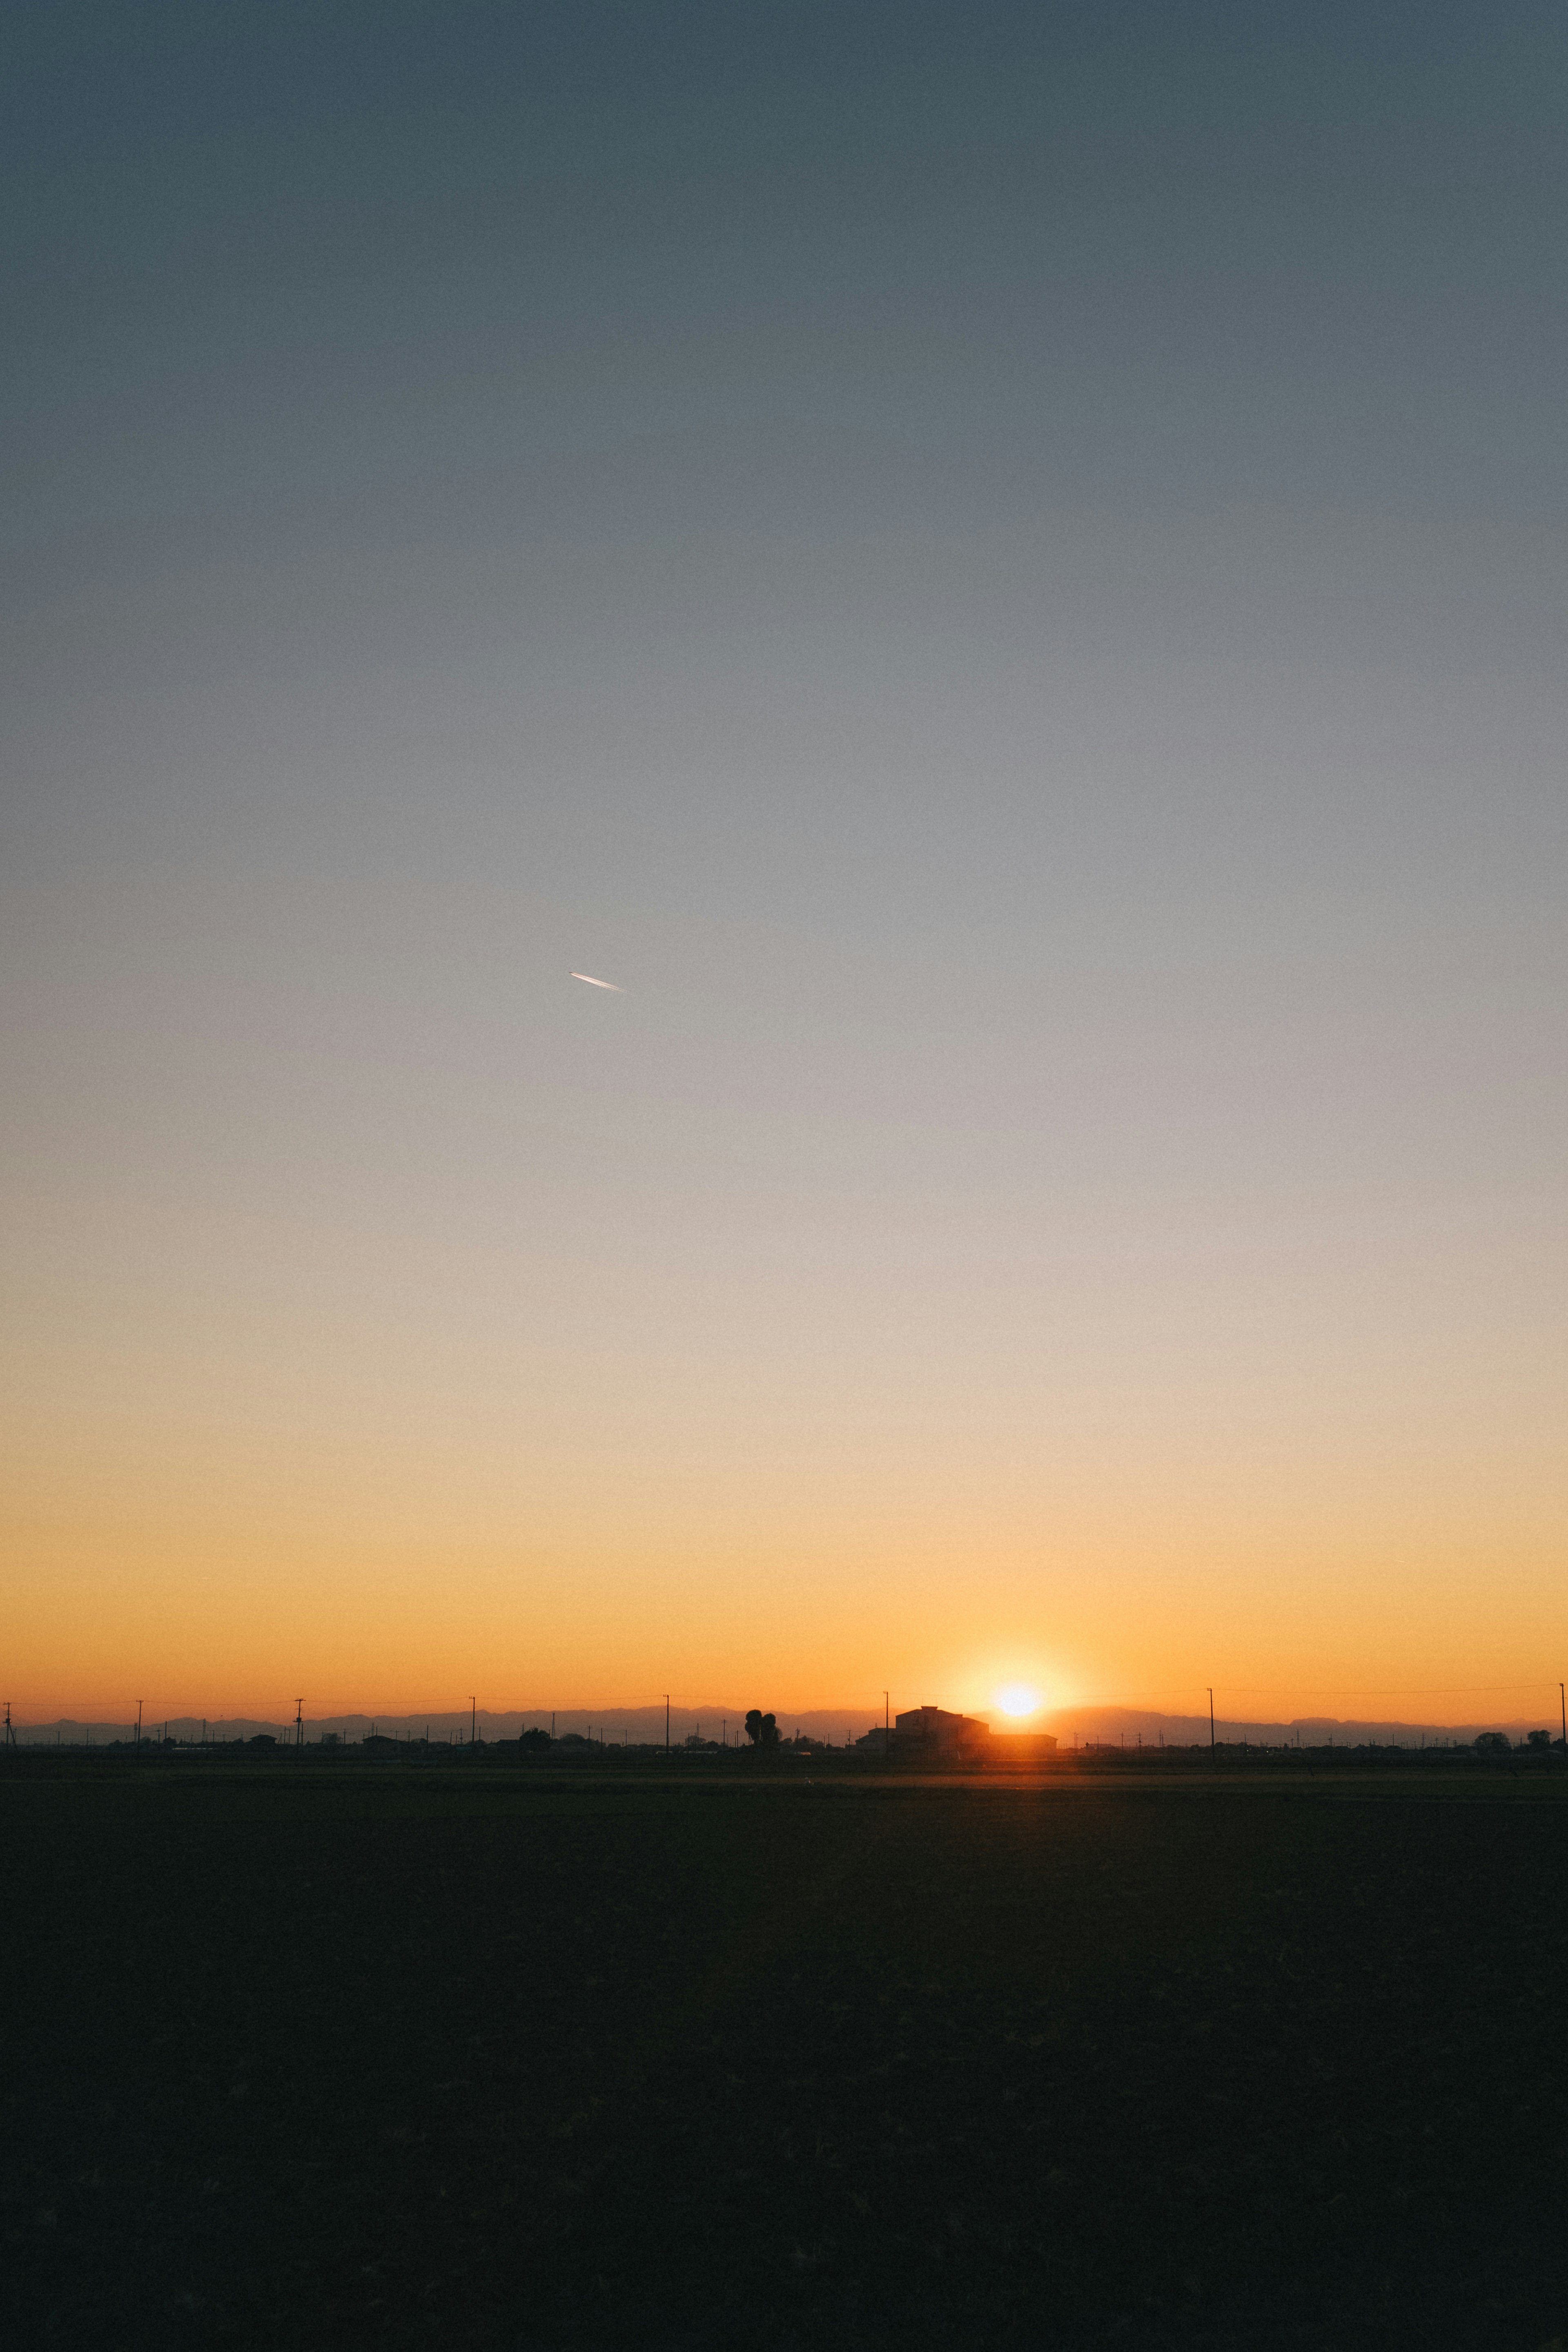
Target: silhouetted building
{"points": [[935, 1728], [1020, 1747]]}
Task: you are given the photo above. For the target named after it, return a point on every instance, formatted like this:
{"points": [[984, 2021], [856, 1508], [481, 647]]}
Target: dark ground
{"points": [[538, 2060]]}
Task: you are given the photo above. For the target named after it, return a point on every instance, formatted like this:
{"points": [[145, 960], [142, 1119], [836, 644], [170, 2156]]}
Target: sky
{"points": [[1001, 571]]}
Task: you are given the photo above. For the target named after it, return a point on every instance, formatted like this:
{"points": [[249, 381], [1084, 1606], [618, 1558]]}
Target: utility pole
{"points": [[1211, 1720], [472, 1717], [666, 1723], [299, 1723], [10, 1735], [886, 1728], [138, 1740], [1561, 1702]]}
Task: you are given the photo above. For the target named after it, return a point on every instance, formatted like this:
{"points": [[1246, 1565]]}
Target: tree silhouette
{"points": [[761, 1730]]}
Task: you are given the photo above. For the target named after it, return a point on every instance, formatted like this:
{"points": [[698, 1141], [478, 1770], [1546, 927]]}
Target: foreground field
{"points": [[648, 2062]]}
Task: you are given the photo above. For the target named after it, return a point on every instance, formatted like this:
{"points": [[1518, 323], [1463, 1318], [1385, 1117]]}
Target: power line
{"points": [[1331, 1690], [1384, 1690]]}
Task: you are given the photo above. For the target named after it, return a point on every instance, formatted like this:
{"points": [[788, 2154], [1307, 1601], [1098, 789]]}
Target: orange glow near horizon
{"points": [[201, 1607], [355, 1450]]}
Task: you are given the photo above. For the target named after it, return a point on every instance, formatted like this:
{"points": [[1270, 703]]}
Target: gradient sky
{"points": [[1003, 568]]}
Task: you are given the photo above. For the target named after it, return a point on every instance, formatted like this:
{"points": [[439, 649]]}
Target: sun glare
{"points": [[1017, 1698]]}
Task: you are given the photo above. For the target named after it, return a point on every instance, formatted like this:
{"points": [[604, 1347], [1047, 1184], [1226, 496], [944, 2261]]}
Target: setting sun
{"points": [[1018, 1698]]}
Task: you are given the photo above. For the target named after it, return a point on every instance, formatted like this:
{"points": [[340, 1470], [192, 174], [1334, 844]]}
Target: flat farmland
{"points": [[656, 2060]]}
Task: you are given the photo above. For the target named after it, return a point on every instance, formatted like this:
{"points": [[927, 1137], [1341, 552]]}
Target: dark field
{"points": [[346, 2056]]}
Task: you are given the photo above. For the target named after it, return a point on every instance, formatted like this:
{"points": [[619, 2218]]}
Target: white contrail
{"points": [[613, 986]]}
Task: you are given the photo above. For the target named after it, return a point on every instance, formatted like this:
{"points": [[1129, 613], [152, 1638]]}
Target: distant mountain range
{"points": [[641, 1726]]}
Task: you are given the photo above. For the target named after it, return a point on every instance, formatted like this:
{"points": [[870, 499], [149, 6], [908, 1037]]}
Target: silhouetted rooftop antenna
{"points": [[299, 1723]]}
